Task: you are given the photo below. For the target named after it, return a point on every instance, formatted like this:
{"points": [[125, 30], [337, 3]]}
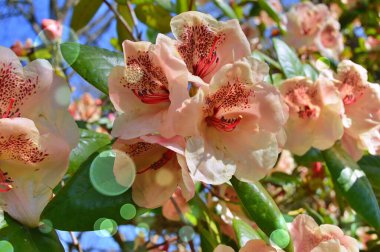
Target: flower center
{"points": [[152, 97], [222, 123], [307, 112], [165, 158], [208, 63], [5, 182], [8, 112], [303, 100], [351, 92]]}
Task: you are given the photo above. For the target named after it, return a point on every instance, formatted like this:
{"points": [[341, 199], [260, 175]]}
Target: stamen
{"points": [[224, 124], [166, 157], [307, 112], [202, 68], [7, 113], [149, 97], [5, 182]]}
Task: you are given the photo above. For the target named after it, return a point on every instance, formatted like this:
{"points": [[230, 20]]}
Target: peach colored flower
{"points": [[233, 124], [315, 111], [22, 50], [170, 212], [148, 90], [160, 171], [329, 40], [309, 237], [53, 29], [304, 21], [86, 108], [37, 135], [203, 42], [250, 246], [362, 109]]}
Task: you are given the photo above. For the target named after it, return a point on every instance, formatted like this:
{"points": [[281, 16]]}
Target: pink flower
{"points": [[233, 125], [22, 50], [160, 171], [206, 44], [53, 29], [250, 246], [304, 23], [329, 40], [362, 109], [86, 108], [149, 89], [37, 135], [309, 237], [315, 111], [170, 212]]}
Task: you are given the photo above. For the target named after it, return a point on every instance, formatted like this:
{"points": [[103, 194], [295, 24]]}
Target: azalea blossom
{"points": [[250, 246], [362, 109], [315, 114], [309, 237], [86, 108], [148, 89], [206, 44], [36, 136], [53, 29], [160, 171], [304, 21], [329, 40], [234, 126]]}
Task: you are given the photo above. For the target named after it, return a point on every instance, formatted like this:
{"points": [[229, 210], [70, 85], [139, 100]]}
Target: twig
{"points": [[119, 238], [75, 242], [121, 19], [168, 241], [191, 4]]}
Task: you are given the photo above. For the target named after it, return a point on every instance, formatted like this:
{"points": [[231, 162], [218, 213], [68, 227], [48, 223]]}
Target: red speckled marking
{"points": [[233, 96], [147, 81], [351, 90], [14, 90], [198, 48], [21, 148], [5, 182]]}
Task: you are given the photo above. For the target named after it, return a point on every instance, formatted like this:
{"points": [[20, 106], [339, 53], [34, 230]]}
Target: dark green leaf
{"points": [[353, 184], [90, 141], [311, 156], [122, 32], [371, 167], [225, 8], [267, 7], [78, 205], [280, 178], [244, 232], [92, 63], [260, 207], [154, 16], [84, 11], [29, 239], [289, 61]]}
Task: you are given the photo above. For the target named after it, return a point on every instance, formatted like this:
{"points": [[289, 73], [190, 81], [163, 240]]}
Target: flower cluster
{"points": [[187, 105]]}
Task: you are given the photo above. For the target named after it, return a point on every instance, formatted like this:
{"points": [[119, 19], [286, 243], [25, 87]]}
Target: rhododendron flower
{"points": [[86, 108], [22, 50], [309, 237], [315, 111], [329, 40], [362, 109], [233, 125], [160, 171], [53, 29], [36, 136], [169, 210], [206, 44], [304, 21], [250, 246], [148, 89]]}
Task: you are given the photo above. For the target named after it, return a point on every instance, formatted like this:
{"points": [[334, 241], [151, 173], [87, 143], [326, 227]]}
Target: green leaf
{"points": [[311, 156], [353, 184], [122, 33], [371, 167], [154, 16], [267, 7], [29, 239], [92, 63], [182, 6], [244, 232], [310, 72], [89, 142], [289, 61], [227, 10], [84, 11], [78, 205], [260, 207], [281, 179]]}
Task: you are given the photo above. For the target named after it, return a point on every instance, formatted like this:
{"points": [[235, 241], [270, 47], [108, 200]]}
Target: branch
{"points": [[75, 242], [120, 239]]}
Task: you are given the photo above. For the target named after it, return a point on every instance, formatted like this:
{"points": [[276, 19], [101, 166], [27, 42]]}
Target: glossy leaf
{"points": [[154, 16], [289, 61], [29, 239], [225, 8], [353, 185], [78, 205], [92, 63], [311, 156], [89, 142], [244, 232], [371, 167], [260, 207], [84, 11]]}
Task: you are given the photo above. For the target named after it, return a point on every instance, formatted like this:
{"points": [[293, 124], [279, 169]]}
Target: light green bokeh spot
{"points": [[102, 176], [280, 237], [105, 227], [128, 211], [6, 246], [46, 226], [186, 233]]}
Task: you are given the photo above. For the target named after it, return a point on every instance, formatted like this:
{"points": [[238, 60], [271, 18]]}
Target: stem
{"points": [[119, 238], [121, 19], [76, 242]]}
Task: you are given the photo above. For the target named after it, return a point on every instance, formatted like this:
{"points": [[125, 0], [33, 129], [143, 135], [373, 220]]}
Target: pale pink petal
{"points": [[371, 141], [176, 144], [329, 246], [329, 41], [257, 245], [170, 212], [186, 183], [223, 248], [351, 146]]}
